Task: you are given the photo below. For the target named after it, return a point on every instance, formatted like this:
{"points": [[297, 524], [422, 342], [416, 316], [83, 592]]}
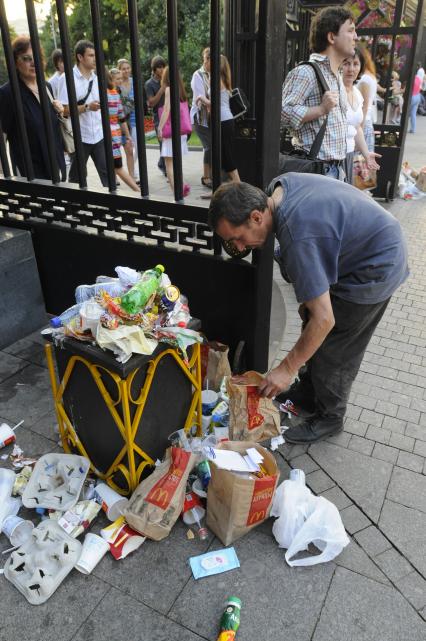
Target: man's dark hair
{"points": [[234, 202], [156, 62], [57, 57], [80, 48], [328, 20]]}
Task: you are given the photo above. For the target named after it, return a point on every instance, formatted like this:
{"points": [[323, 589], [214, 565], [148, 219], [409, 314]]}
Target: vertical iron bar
{"points": [[3, 156], [103, 99], [14, 83], [42, 92], [72, 99], [137, 89], [216, 150], [388, 79], [172, 41]]}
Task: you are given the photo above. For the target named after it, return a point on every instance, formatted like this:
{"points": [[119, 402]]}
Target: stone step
{"points": [[22, 309]]}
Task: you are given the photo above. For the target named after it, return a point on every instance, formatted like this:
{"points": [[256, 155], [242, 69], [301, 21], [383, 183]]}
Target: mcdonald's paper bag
{"points": [[157, 502], [237, 502], [214, 364], [251, 417]]}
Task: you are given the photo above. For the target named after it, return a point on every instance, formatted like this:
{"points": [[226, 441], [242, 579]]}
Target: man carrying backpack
{"points": [[304, 106]]}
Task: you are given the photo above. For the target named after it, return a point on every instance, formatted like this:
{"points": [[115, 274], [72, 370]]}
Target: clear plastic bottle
{"points": [[85, 292], [66, 316], [138, 296]]}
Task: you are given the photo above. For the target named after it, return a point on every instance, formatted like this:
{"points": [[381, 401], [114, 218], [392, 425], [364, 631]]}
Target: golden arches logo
{"points": [[257, 516], [159, 496]]}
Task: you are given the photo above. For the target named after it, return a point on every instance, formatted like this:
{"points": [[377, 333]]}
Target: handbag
{"points": [[363, 178], [185, 121], [66, 128], [298, 159], [238, 103]]}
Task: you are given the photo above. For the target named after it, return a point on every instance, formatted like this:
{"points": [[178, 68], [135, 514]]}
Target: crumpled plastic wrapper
{"points": [[78, 518], [179, 337], [21, 480], [125, 341]]}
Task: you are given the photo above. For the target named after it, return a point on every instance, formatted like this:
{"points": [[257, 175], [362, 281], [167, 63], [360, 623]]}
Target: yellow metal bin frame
{"points": [[127, 426]]}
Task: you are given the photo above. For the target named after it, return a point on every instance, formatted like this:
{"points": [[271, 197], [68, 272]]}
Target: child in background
{"points": [[166, 148], [119, 131]]}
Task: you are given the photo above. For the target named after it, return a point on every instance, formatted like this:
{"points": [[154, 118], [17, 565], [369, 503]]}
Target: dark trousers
{"points": [[161, 162], [97, 153], [328, 376]]}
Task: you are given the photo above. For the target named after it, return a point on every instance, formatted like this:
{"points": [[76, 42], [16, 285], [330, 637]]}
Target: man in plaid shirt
{"points": [[332, 39]]}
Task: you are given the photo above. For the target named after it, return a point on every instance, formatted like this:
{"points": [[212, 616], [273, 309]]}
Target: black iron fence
{"points": [[78, 233]]}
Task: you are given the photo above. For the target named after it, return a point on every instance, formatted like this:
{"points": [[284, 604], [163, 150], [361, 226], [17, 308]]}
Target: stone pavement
{"points": [[374, 471]]}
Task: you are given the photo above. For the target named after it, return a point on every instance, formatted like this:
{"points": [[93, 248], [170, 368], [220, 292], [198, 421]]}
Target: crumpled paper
{"points": [[125, 341]]}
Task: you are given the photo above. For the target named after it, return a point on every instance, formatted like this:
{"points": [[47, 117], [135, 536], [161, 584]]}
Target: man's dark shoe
{"points": [[302, 401], [313, 429]]}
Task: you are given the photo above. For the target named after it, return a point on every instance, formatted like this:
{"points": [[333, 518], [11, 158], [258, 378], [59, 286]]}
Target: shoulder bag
{"points": [[238, 103], [298, 159], [65, 127], [185, 121]]}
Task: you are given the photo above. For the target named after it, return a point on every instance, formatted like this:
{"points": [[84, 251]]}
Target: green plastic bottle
{"points": [[230, 621], [138, 296]]}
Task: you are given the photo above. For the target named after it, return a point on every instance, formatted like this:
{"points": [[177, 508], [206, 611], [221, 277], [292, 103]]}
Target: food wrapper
{"points": [[125, 341], [76, 520], [121, 538], [21, 480]]}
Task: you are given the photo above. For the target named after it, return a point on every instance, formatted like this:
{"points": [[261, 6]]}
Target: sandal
{"points": [[186, 190], [206, 182]]}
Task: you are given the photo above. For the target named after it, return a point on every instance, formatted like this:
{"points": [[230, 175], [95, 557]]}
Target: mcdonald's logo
{"points": [[158, 496], [256, 517]]}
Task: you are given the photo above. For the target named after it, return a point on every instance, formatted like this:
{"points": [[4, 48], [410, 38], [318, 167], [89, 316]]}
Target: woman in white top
{"points": [[200, 114], [368, 88], [352, 67], [227, 127]]}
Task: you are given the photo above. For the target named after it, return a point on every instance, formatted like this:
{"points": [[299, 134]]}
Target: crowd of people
{"points": [[122, 115]]}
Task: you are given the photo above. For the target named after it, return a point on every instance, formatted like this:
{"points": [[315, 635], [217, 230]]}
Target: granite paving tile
{"points": [[413, 587], [359, 609], [10, 365], [361, 477], [336, 496], [26, 395], [408, 488], [353, 519], [275, 596], [411, 462], [354, 558], [393, 564], [372, 541], [406, 528], [385, 453]]}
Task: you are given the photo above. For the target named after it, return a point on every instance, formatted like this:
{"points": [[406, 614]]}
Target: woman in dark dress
{"points": [[24, 61]]}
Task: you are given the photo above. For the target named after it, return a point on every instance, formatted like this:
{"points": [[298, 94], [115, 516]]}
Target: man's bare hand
{"points": [[276, 381], [329, 101]]}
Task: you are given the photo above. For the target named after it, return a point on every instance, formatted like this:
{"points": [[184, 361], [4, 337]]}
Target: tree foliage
{"points": [[3, 69], [193, 31]]}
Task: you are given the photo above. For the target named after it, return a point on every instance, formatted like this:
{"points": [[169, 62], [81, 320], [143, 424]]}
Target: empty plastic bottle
{"points": [[84, 292], [66, 316], [138, 296], [230, 621]]}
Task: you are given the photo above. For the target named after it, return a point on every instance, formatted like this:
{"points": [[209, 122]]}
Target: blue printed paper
{"points": [[214, 562]]}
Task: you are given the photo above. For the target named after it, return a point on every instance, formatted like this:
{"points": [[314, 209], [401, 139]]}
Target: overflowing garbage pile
{"points": [[129, 314], [412, 183]]}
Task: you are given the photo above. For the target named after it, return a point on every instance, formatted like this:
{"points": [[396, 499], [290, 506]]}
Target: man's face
{"points": [[249, 235], [159, 72], [60, 66], [88, 60], [344, 41]]}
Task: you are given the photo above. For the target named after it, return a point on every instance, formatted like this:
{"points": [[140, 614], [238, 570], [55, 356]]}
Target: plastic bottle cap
{"points": [[55, 322], [160, 268]]}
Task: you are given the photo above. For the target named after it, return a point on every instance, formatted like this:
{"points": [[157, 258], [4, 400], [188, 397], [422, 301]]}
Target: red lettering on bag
{"points": [[254, 418], [163, 491], [261, 499]]}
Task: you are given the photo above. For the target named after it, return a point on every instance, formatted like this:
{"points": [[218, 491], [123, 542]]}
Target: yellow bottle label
{"points": [[227, 635]]}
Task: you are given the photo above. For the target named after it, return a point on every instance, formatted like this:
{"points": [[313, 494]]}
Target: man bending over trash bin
{"points": [[345, 256]]}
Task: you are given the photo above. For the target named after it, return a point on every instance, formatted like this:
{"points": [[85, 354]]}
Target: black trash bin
{"points": [[120, 415]]}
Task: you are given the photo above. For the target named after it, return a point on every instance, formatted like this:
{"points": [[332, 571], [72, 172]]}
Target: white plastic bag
{"points": [[304, 519]]}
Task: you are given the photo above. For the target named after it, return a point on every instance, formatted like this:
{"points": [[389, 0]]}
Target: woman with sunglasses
{"points": [[24, 61]]}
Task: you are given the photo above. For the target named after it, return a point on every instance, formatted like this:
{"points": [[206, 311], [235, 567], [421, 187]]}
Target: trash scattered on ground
{"points": [[78, 518], [111, 501], [21, 480], [412, 183], [276, 441], [17, 530], [214, 562], [193, 513], [93, 550], [230, 619], [19, 461], [56, 481], [40, 565], [305, 519], [122, 539]]}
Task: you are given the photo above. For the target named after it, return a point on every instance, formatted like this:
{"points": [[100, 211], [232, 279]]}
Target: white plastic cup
{"points": [[7, 435], [205, 423], [209, 400], [17, 530], [112, 503], [93, 550]]}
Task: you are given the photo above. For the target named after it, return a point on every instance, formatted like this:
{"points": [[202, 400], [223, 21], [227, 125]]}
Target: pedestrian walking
{"points": [[87, 92], [304, 108], [414, 104], [166, 140], [345, 256], [120, 134], [154, 91], [125, 88], [368, 86], [56, 79], [33, 116], [200, 114]]}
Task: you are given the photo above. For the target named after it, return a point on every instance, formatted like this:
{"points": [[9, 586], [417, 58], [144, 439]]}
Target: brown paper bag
{"points": [[235, 505], [251, 418], [214, 364], [157, 502]]}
